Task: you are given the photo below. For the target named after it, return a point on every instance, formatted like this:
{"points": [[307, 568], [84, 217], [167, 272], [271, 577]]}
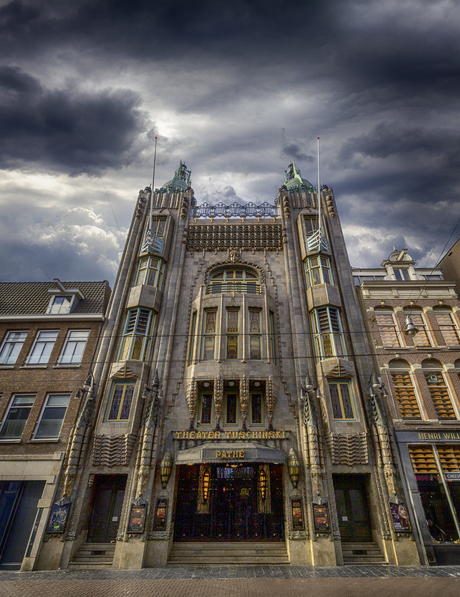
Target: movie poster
{"points": [[400, 516]]}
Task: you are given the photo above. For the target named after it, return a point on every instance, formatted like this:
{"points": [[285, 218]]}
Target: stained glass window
{"points": [[342, 405], [120, 405], [255, 334], [209, 337]]}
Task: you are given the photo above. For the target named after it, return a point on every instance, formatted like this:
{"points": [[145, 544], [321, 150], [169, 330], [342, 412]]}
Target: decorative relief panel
{"points": [[246, 237], [113, 450], [349, 449]]}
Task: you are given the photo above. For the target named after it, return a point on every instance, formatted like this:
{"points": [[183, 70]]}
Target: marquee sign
{"points": [[226, 435]]}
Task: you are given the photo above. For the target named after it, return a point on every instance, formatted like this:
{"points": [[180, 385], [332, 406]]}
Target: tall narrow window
{"points": [[121, 400], [405, 393], [272, 336], [256, 408], [209, 334], [158, 226], [74, 347], [448, 327], [440, 395], [16, 417], [231, 408], [12, 347], [421, 338], [191, 347], [205, 417], [41, 350], [342, 404], [232, 334], [49, 426], [137, 335], [328, 333], [151, 272], [387, 327], [311, 224], [255, 334]]}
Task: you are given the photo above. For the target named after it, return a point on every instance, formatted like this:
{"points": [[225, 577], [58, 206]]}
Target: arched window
{"points": [[437, 385], [404, 389], [422, 338], [387, 327], [448, 326], [235, 280]]}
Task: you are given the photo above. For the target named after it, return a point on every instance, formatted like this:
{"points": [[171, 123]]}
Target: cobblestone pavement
{"points": [[233, 581]]}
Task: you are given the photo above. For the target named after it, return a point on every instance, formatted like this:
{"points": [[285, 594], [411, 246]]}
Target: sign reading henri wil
{"points": [[240, 435], [427, 436]]}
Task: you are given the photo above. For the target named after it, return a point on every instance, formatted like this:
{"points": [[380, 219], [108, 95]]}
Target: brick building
{"points": [[48, 336], [420, 382], [232, 420]]}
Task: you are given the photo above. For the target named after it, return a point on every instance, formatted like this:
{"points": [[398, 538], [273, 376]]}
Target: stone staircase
{"points": [[362, 553], [221, 553], [92, 556]]}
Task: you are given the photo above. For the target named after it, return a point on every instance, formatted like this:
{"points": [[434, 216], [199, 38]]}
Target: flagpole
{"points": [[153, 184], [319, 190]]}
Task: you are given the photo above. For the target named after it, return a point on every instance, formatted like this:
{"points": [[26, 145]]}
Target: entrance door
{"points": [[109, 492], [352, 508]]}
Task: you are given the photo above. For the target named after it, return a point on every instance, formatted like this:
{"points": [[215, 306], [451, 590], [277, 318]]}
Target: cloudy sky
{"points": [[236, 89]]}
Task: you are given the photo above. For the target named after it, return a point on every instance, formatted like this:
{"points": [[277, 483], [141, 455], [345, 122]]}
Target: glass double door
{"points": [[234, 507], [352, 508]]}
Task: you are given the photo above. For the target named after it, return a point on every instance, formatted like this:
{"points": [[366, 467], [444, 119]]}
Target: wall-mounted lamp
{"points": [[206, 384], [231, 383], [293, 467], [257, 384], [206, 480], [263, 484], [166, 468]]}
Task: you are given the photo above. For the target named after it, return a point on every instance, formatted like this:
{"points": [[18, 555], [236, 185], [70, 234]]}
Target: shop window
{"points": [[440, 395], [421, 338], [327, 332], [120, 401], [257, 402], [12, 347], [16, 416], [231, 338], [191, 347], [231, 408], [50, 423], [234, 280], [317, 271], [448, 327], [433, 490], [41, 350], [341, 400], [209, 334], [137, 335], [151, 272], [74, 347], [405, 393], [255, 334], [205, 409], [387, 328]]}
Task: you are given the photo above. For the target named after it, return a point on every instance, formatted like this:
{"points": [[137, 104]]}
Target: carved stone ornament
{"points": [[244, 400], [218, 399], [271, 398], [191, 397], [234, 255]]}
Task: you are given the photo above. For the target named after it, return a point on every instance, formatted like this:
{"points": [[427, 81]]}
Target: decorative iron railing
{"points": [[235, 210], [234, 287]]}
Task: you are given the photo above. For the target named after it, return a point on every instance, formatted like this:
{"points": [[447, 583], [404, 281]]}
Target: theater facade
{"points": [[231, 420]]}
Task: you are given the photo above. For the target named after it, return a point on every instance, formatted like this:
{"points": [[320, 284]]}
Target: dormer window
{"points": [[63, 300], [60, 305], [401, 273]]}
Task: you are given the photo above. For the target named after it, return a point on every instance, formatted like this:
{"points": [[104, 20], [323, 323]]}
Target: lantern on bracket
{"points": [[166, 468], [293, 465]]}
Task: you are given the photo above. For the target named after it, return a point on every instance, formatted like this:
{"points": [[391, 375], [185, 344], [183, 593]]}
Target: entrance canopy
{"points": [[222, 452]]}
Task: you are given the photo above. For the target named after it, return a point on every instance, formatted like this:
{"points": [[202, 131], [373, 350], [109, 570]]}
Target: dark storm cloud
{"points": [[66, 129]]}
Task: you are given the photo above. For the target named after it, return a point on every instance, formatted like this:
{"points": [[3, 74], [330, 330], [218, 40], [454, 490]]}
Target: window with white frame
{"points": [[137, 335], [42, 348], [328, 336], [12, 347], [120, 401], [74, 347], [401, 273], [421, 338], [438, 388], [60, 305], [448, 326], [387, 328], [16, 417], [53, 413], [404, 389]]}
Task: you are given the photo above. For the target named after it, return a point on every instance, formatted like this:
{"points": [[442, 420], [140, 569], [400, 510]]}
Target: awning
{"points": [[221, 452]]}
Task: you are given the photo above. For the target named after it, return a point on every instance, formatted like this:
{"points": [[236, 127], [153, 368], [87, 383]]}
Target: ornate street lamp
{"points": [[166, 468], [293, 465]]}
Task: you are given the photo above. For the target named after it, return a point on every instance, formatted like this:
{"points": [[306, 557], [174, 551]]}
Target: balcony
{"points": [[234, 288]]}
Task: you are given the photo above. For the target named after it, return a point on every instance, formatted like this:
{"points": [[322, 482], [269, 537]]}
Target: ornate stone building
{"points": [[419, 362], [232, 415]]}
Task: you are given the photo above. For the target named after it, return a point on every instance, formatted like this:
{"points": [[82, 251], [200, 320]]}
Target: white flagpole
{"points": [[153, 184], [319, 192]]}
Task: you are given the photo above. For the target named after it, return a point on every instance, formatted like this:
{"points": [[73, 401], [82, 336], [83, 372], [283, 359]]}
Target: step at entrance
{"points": [[93, 556], [362, 553], [222, 553]]}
